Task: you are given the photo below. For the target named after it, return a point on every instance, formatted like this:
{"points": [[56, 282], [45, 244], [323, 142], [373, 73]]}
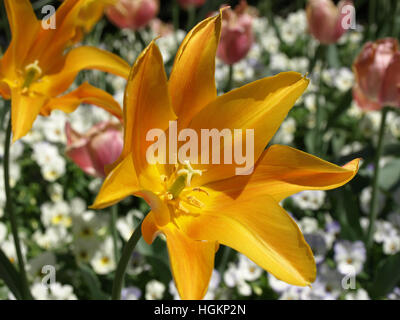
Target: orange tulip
{"points": [[199, 206], [377, 75], [36, 69]]}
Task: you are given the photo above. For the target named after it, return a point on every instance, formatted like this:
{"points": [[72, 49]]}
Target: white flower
{"points": [[56, 192], [309, 199], [277, 285], [383, 230], [55, 291], [344, 79], [279, 61], [308, 225], [360, 294], [3, 232], [285, 134], [365, 200], [391, 245], [88, 225], [126, 225], [103, 260], [52, 238], [56, 214], [350, 256], [248, 270], [154, 290], [131, 293], [77, 206], [35, 265], [9, 249]]}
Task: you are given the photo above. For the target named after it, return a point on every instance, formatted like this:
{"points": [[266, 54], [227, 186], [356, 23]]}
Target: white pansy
{"points": [[154, 290], [286, 131], [54, 291], [360, 294], [344, 79], [52, 238], [56, 192], [248, 270], [391, 245], [309, 199], [56, 214], [126, 225], [34, 266], [349, 256], [103, 260]]}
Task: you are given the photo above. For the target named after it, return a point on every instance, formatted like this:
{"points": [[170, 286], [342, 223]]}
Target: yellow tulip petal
{"points": [[282, 171], [260, 106], [259, 228], [119, 184], [24, 28], [85, 93], [83, 58], [192, 83], [159, 209], [192, 262], [146, 107], [24, 110]]}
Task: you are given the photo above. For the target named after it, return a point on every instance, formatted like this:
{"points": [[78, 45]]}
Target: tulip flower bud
{"points": [[377, 74], [325, 20], [100, 146], [236, 34], [188, 3], [133, 14]]}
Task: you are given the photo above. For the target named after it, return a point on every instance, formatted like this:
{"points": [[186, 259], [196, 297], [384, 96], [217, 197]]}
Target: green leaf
{"points": [[389, 175], [92, 282], [387, 277], [10, 275]]}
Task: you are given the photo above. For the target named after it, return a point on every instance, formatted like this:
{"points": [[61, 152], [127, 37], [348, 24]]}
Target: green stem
{"points": [[11, 215], [229, 83], [191, 17], [123, 262], [175, 14], [138, 36], [114, 232], [318, 113], [224, 260], [371, 19], [375, 188]]}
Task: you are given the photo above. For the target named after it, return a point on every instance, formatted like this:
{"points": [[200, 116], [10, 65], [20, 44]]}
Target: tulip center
{"points": [[32, 73], [183, 180]]}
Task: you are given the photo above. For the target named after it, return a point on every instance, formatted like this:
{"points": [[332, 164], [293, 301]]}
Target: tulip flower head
{"points": [[191, 3], [133, 14], [198, 205], [39, 64], [325, 20], [236, 34], [377, 71], [92, 151]]}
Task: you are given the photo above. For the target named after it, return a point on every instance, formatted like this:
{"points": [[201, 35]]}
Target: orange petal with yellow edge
{"points": [[85, 93], [192, 82], [259, 228], [282, 171]]}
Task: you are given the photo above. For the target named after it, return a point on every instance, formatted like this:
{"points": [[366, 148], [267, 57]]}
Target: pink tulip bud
{"points": [[325, 20], [236, 34], [100, 146], [377, 74], [188, 3], [132, 14]]}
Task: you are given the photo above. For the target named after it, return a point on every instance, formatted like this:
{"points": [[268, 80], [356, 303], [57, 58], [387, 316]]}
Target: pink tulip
{"points": [[377, 71], [236, 34], [191, 3], [132, 14], [98, 147], [325, 20]]}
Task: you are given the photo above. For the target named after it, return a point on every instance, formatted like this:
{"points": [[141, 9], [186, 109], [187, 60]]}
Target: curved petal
{"points": [[85, 93], [146, 107], [390, 90], [192, 83], [260, 106], [259, 228], [24, 27], [192, 263], [283, 171], [83, 58], [119, 183], [24, 110]]}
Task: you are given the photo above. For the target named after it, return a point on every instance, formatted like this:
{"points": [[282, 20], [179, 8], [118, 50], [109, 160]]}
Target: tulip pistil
{"points": [[183, 180], [32, 73]]}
